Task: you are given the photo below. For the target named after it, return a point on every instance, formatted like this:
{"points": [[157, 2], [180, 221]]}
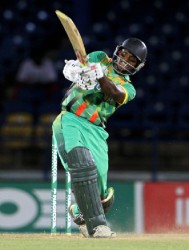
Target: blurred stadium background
{"points": [[149, 138]]}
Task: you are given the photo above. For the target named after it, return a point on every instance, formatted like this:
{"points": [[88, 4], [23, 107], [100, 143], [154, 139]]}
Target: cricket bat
{"points": [[74, 37]]}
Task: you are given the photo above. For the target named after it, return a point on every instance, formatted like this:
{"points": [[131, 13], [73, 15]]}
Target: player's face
{"points": [[126, 60]]}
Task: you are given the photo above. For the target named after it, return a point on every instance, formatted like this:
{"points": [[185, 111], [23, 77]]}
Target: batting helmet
{"points": [[137, 48]]}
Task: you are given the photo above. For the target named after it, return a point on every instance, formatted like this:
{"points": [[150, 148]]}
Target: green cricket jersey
{"points": [[93, 104]]}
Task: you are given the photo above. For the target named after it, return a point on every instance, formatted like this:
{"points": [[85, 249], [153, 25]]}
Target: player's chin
{"points": [[118, 68], [121, 71]]}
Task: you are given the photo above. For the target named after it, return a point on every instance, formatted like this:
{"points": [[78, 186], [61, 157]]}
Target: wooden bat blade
{"points": [[74, 36]]}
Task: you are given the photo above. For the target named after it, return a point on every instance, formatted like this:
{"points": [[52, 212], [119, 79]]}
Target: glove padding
{"points": [[71, 70], [89, 76]]}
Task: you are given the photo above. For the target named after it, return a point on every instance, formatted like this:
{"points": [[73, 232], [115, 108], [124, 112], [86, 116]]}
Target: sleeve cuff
{"points": [[126, 95]]}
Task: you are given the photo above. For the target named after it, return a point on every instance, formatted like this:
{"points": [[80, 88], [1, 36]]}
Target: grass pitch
{"points": [[77, 242]]}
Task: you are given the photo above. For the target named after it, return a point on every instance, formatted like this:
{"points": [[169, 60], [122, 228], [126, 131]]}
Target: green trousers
{"points": [[70, 131]]}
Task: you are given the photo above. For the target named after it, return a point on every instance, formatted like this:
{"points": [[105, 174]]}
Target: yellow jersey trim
{"points": [[126, 95]]}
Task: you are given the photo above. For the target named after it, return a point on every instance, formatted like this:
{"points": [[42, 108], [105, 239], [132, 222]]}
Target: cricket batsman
{"points": [[96, 92]]}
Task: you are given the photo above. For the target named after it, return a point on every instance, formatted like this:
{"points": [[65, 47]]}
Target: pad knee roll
{"points": [[81, 165]]}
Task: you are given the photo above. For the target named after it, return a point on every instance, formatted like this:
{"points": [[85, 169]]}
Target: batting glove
{"points": [[84, 83], [72, 70], [89, 76], [92, 72]]}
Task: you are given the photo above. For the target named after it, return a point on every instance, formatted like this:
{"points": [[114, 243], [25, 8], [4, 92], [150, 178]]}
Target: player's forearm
{"points": [[111, 90]]}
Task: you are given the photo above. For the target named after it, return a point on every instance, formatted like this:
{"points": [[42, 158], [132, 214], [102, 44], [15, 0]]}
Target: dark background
{"points": [[151, 133]]}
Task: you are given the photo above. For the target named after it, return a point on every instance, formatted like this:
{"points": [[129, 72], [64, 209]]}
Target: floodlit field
{"points": [[77, 242]]}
